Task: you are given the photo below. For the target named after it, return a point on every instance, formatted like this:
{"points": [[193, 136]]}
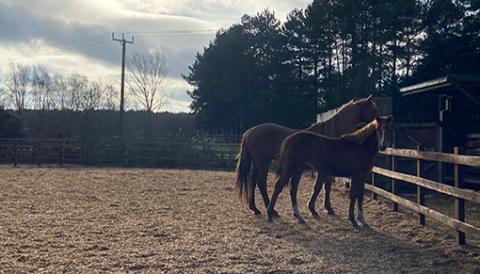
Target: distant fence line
{"points": [[215, 152]]}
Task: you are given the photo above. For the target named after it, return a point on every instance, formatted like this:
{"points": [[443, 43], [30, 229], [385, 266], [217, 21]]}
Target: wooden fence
{"points": [[215, 154], [457, 191], [188, 153]]}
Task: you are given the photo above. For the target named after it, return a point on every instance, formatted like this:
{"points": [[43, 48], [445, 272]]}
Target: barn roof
{"points": [[468, 85]]}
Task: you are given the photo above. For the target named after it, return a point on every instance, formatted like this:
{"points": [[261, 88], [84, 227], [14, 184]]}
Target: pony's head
{"points": [[367, 110], [383, 128]]}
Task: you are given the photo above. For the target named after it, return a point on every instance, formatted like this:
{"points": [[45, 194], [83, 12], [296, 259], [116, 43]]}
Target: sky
{"points": [[76, 35]]}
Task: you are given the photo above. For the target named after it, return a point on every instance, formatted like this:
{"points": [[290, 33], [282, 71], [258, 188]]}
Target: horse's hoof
{"points": [[299, 218], [315, 214], [269, 218], [354, 223], [330, 211], [364, 225], [274, 214], [256, 211]]}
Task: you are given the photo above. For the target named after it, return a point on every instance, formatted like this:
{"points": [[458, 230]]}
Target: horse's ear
{"points": [[370, 97], [389, 119]]}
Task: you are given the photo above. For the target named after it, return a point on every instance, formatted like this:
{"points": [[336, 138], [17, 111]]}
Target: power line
{"points": [[6, 57], [95, 39], [67, 43]]}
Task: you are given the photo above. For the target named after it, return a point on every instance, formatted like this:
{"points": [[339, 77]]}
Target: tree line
{"points": [[33, 87], [54, 105], [261, 69]]}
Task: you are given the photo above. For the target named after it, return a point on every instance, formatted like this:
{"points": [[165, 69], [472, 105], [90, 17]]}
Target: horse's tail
{"points": [[244, 164]]}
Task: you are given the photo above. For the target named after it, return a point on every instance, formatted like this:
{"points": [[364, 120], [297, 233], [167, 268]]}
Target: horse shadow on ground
{"points": [[341, 247]]}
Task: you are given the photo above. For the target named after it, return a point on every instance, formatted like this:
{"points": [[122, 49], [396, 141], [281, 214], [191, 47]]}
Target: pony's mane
{"points": [[361, 135]]}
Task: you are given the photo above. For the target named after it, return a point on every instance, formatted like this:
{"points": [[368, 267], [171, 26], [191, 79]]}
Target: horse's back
{"points": [[264, 140]]}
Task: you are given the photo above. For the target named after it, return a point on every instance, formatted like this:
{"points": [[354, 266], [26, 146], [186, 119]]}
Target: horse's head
{"points": [[383, 131], [367, 110]]}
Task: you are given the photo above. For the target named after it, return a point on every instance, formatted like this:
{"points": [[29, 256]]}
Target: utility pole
{"points": [[123, 42]]}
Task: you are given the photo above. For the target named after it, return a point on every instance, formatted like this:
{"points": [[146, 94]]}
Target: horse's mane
{"points": [[341, 122], [361, 135], [340, 109]]}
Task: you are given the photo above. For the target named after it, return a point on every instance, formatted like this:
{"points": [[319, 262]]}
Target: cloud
{"points": [[75, 35]]}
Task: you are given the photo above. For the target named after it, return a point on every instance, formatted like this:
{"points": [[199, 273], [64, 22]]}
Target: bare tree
{"points": [[2, 95], [60, 92], [76, 85], [91, 96], [18, 85], [146, 80], [110, 97], [42, 94]]}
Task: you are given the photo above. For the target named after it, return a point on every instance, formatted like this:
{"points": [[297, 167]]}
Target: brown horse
{"points": [[352, 155], [261, 144]]}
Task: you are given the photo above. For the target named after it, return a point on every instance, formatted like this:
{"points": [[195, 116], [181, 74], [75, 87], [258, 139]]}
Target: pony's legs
{"points": [[251, 191], [328, 191], [316, 191], [353, 196], [361, 194], [293, 195], [281, 182]]}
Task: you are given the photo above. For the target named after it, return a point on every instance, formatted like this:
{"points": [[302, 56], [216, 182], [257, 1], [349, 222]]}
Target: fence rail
{"points": [[457, 191], [188, 153]]}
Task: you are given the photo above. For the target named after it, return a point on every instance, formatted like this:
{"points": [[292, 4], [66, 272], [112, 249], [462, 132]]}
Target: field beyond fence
{"points": [[205, 151]]}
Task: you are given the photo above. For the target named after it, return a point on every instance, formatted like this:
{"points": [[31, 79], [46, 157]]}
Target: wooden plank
{"points": [[459, 203], [473, 136], [439, 217], [466, 160], [420, 191], [392, 181], [450, 190]]}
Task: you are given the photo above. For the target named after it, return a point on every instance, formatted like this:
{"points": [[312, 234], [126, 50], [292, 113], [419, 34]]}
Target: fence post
{"points": [[459, 203], [38, 153], [15, 153], [393, 183], [375, 197], [420, 190], [62, 152]]}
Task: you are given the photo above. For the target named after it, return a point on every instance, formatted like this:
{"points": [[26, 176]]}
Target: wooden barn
{"points": [[454, 102]]}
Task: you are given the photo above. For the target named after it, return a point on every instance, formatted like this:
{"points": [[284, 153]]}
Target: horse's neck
{"points": [[362, 135], [341, 123], [371, 143]]}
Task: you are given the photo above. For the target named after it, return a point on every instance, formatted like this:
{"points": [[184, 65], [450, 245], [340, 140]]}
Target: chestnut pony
{"points": [[352, 155], [261, 144]]}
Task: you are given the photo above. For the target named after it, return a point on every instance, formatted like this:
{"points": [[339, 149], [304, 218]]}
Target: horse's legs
{"points": [[316, 190], [251, 191], [361, 193], [326, 200], [293, 195], [262, 172], [281, 182], [353, 197]]}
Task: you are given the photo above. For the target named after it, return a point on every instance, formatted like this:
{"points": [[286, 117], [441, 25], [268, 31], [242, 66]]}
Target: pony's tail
{"points": [[244, 163]]}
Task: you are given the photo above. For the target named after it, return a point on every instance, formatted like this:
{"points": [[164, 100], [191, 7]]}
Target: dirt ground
{"points": [[83, 220]]}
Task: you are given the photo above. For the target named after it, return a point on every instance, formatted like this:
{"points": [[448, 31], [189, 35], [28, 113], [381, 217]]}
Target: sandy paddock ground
{"points": [[83, 220]]}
